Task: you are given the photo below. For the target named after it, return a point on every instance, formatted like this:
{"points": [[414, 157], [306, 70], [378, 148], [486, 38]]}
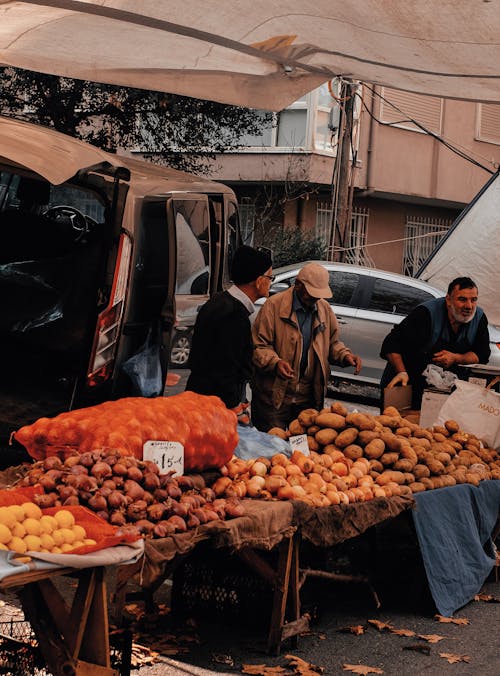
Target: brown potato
{"points": [[391, 410], [329, 419], [408, 453], [339, 408], [374, 449], [435, 466], [388, 459], [312, 443], [360, 420], [417, 487], [312, 429], [452, 426], [438, 429], [353, 451], [376, 466], [325, 436], [421, 471], [278, 432], [365, 436], [307, 416], [346, 437], [392, 422], [296, 428], [403, 465], [391, 441], [403, 432]]}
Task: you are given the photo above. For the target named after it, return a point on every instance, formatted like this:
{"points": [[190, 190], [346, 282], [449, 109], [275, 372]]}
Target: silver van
{"points": [[96, 250]]}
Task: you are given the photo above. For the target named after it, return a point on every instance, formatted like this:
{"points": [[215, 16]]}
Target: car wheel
{"points": [[179, 352]]}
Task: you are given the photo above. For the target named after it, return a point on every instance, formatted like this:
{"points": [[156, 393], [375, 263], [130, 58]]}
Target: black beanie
{"points": [[248, 264]]}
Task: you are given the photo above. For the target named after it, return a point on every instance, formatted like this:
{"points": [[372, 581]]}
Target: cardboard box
{"points": [[399, 397], [432, 401]]}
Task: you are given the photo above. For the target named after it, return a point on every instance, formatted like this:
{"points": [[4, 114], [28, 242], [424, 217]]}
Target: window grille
{"points": [[356, 236], [422, 235]]}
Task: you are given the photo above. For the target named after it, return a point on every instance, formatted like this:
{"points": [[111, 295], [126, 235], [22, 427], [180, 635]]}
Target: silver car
{"points": [[367, 303]]}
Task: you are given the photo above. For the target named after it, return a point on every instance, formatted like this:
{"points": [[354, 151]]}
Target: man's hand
{"points": [[444, 358], [353, 360], [284, 370], [401, 378]]}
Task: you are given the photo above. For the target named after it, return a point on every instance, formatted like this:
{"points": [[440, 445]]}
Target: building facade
{"points": [[416, 162]]}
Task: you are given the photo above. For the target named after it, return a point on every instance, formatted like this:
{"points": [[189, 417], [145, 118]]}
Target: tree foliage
{"points": [[293, 245], [185, 133]]}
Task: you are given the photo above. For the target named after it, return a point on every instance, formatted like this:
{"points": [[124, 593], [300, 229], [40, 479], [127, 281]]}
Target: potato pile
{"points": [[356, 456], [128, 492], [23, 528]]}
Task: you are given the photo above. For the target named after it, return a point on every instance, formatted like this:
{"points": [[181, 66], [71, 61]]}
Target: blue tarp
{"points": [[454, 527]]}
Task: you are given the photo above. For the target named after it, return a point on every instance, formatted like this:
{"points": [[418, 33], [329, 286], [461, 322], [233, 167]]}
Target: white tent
{"points": [[462, 253], [261, 54]]}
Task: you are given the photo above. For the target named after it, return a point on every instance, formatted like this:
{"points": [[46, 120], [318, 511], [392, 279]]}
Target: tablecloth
{"points": [[454, 527]]}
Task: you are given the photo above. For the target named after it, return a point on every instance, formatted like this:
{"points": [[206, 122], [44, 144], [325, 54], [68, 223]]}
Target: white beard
{"points": [[460, 318]]}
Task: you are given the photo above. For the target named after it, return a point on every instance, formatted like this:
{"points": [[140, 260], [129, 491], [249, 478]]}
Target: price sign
{"points": [[299, 443], [168, 455]]}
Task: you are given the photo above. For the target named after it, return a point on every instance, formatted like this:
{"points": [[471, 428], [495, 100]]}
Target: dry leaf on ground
{"points": [[380, 625], [357, 630], [402, 632], [431, 638], [453, 659], [362, 669], [303, 668], [452, 620], [488, 598], [262, 670]]}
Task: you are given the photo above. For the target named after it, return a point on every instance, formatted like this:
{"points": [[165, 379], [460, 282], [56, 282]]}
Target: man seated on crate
{"points": [[450, 332]]}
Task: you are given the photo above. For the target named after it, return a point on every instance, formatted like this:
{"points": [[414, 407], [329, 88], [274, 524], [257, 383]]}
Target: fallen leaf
{"points": [[261, 670], [452, 620], [380, 625], [302, 667], [402, 632], [488, 598], [431, 638], [453, 659], [362, 669], [425, 649], [357, 630]]}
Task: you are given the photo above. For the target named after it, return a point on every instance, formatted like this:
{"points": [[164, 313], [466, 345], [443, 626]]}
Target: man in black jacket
{"points": [[449, 332], [222, 347]]}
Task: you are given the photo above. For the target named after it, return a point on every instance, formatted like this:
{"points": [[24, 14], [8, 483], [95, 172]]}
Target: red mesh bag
{"points": [[202, 424]]}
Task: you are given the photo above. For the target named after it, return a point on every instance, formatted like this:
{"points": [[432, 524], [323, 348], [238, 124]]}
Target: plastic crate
{"points": [[20, 654], [216, 585]]}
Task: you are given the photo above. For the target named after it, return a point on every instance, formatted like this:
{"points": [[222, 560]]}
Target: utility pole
{"points": [[341, 189]]}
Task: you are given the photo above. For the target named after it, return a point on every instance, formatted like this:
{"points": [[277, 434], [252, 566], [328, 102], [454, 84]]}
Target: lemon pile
{"points": [[24, 528]]}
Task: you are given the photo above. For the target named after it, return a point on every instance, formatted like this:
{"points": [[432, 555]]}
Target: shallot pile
{"points": [[128, 492]]}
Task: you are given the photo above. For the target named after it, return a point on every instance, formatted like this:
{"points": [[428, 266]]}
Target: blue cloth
{"points": [[454, 527], [253, 444]]}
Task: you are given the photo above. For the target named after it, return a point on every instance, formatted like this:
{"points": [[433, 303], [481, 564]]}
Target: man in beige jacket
{"points": [[296, 338]]}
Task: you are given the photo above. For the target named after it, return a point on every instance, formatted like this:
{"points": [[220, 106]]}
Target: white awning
{"points": [[260, 54]]}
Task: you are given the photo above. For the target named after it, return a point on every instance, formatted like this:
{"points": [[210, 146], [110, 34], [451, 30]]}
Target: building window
{"points": [[488, 123], [427, 110], [247, 221], [356, 251], [422, 235]]}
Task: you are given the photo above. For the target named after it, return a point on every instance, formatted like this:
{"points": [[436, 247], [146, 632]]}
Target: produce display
{"points": [[128, 492], [356, 456], [25, 528], [202, 424]]}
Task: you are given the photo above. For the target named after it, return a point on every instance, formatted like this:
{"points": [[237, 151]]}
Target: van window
{"points": [[193, 247], [396, 298]]}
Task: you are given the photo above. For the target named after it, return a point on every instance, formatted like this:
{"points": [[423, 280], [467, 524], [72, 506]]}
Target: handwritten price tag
{"points": [[168, 455], [299, 443]]}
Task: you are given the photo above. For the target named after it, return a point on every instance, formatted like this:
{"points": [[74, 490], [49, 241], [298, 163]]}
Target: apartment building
{"points": [[416, 162]]}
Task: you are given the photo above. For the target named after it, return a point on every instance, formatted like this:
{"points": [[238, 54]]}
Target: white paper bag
{"points": [[477, 411]]}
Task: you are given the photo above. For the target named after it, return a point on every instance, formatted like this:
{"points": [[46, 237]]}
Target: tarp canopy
{"points": [[260, 54], [470, 249]]}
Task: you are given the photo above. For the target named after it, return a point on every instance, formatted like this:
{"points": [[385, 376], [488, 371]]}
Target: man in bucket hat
{"points": [[221, 352], [296, 338]]}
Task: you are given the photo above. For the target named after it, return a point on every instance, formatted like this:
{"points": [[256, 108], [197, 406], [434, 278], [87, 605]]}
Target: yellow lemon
{"points": [[32, 526], [32, 542], [18, 530], [31, 510], [79, 532], [18, 545], [56, 550], [89, 541], [7, 518], [48, 524], [66, 547], [5, 533], [68, 535], [17, 511], [64, 518], [78, 543], [47, 541], [2, 546], [58, 537]]}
